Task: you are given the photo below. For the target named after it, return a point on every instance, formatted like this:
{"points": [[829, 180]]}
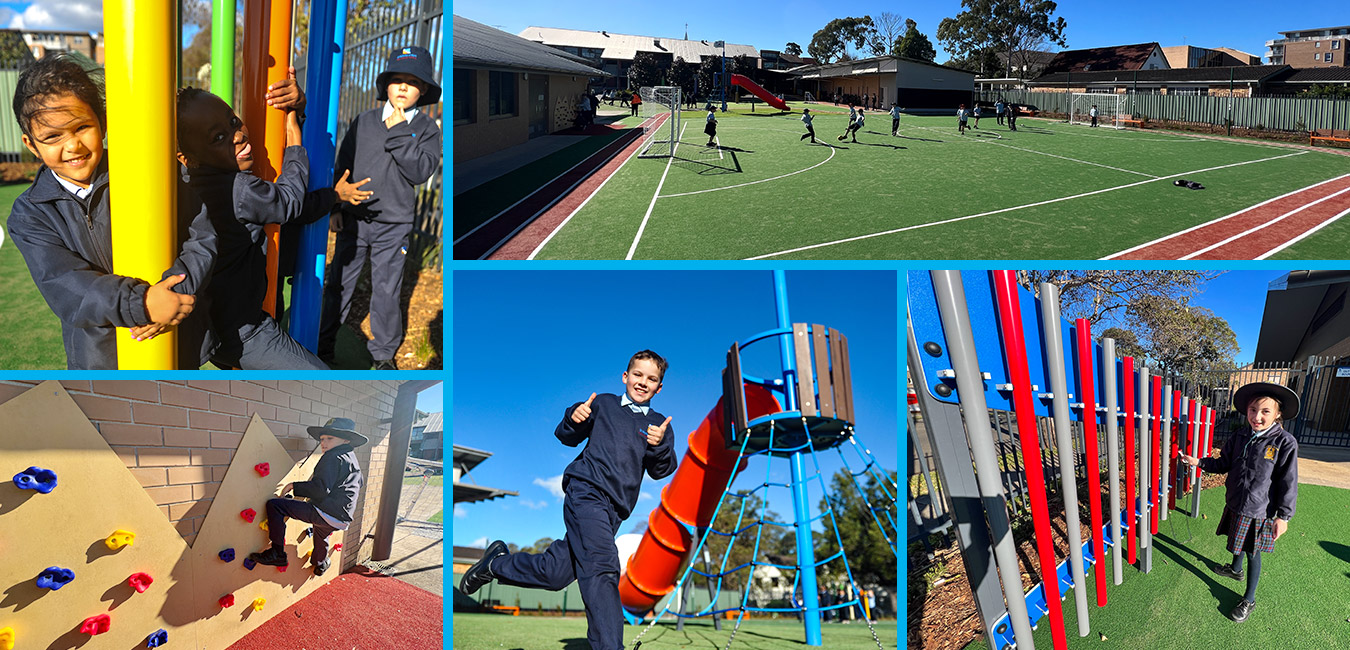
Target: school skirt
{"points": [[711, 128], [1247, 534]]}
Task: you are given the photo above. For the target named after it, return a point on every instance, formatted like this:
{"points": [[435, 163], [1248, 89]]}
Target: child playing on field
{"points": [[1262, 486], [977, 113], [215, 148], [999, 107], [397, 147], [627, 437], [330, 495], [62, 226], [810, 130], [895, 118], [710, 127], [961, 119], [1093, 114], [635, 102]]}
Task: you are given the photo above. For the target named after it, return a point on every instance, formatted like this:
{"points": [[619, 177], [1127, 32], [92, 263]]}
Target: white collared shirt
{"points": [[80, 193], [634, 406], [408, 113]]}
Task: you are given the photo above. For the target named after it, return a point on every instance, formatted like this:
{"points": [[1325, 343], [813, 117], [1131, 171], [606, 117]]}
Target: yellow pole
{"points": [[141, 54], [267, 55]]}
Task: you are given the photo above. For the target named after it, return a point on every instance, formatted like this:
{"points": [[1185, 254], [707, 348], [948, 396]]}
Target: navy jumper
{"points": [[1262, 480], [333, 489]]}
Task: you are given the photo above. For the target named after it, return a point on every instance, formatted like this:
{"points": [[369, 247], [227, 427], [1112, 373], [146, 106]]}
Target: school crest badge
{"points": [[1270, 452]]}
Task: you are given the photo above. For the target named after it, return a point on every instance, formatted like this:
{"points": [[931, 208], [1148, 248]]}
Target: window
{"points": [[1317, 44], [1335, 45], [463, 94], [501, 93], [1328, 57]]}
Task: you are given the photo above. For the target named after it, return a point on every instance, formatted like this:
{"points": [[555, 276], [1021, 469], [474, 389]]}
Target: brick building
{"points": [[1310, 48]]}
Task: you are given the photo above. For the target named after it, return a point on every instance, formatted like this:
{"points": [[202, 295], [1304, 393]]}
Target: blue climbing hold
{"points": [[227, 555], [36, 478], [54, 577], [157, 639], [249, 564]]}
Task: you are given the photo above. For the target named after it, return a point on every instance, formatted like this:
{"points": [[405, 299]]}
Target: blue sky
{"points": [[1240, 297], [1242, 24], [431, 400], [527, 344]]}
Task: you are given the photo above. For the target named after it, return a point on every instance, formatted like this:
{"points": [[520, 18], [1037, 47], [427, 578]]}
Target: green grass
{"points": [[31, 332], [1182, 602], [437, 480], [481, 631], [438, 517], [770, 194]]}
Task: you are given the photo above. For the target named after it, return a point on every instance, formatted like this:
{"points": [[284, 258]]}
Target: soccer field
{"points": [[30, 334], [1046, 191]]}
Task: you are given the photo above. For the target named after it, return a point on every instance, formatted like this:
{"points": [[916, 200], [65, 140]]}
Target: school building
{"points": [[614, 53], [913, 84], [1324, 47], [1305, 316]]}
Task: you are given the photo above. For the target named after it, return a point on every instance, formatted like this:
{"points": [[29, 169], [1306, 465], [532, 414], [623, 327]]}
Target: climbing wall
{"points": [[95, 497]]}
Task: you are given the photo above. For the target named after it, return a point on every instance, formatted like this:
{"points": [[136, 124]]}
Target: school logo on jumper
{"points": [[1270, 452]]}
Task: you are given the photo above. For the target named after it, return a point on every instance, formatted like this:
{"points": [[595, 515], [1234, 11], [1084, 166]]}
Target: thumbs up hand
{"points": [[656, 433], [583, 410]]}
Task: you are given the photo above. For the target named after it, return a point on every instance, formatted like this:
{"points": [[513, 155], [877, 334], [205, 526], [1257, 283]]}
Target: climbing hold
{"points": [[36, 478], [258, 603], [226, 601], [159, 638], [7, 638], [337, 547], [120, 538], [96, 624], [140, 582], [282, 568], [227, 555], [54, 577], [263, 469], [248, 514], [263, 525], [249, 563]]}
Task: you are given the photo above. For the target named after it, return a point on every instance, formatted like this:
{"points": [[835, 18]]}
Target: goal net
{"points": [[665, 137], [1110, 109]]}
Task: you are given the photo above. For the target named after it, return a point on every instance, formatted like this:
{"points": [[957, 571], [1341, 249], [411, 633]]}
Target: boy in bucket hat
{"points": [[331, 492], [396, 147]]}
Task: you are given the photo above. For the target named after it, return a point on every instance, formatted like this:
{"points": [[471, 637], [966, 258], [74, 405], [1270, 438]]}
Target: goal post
{"points": [[1110, 109], [662, 140]]}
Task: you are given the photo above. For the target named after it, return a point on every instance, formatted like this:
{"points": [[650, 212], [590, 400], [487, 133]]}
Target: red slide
{"points": [[758, 91], [689, 499]]}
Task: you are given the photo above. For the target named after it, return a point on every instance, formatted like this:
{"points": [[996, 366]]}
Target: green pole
{"points": [[222, 50]]}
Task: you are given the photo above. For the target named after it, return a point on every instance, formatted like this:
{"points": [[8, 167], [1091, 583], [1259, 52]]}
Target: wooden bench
{"points": [[514, 611], [1129, 119], [1328, 135]]}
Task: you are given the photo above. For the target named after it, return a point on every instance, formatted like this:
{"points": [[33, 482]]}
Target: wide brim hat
{"points": [[1288, 399], [344, 428], [415, 61]]}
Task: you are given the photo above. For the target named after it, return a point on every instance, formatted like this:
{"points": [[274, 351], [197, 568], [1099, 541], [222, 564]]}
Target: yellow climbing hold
{"points": [[7, 638], [258, 603], [120, 538], [263, 525]]}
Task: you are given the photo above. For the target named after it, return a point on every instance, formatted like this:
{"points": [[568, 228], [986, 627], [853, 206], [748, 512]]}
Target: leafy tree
{"points": [[982, 62], [1127, 342], [540, 545], [831, 43], [1332, 91], [793, 49], [1099, 295], [869, 556], [645, 71], [711, 65], [683, 75], [1184, 338], [914, 45], [1006, 27], [773, 539]]}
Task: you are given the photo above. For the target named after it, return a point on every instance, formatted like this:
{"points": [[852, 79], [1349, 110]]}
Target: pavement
{"points": [[1329, 466]]}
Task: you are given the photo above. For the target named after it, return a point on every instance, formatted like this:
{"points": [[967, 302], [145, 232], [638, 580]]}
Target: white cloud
{"points": [[481, 542], [552, 484], [533, 505], [63, 15], [460, 511], [645, 495]]}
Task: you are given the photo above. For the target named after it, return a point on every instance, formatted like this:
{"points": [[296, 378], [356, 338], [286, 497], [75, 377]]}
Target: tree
{"points": [[981, 62], [683, 75], [831, 43], [1004, 27], [707, 86], [793, 49], [889, 30], [732, 518], [1127, 342], [1100, 295], [869, 556], [914, 45], [1183, 338], [644, 72]]}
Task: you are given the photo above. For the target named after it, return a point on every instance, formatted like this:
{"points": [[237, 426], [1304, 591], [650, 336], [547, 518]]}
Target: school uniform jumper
{"points": [[240, 205], [67, 243], [602, 485], [396, 159], [331, 500], [1262, 486]]}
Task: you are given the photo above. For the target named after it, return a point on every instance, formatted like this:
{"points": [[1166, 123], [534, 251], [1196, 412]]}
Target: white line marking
{"points": [[1019, 207], [1266, 224], [1223, 218], [1084, 162], [559, 227], [1300, 238], [656, 195], [764, 180]]}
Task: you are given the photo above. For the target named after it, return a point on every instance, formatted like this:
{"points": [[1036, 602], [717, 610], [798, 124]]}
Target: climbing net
{"points": [[882, 514]]}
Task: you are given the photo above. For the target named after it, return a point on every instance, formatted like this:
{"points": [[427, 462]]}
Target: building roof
{"points": [[790, 59], [882, 64], [1242, 74], [479, 46], [1180, 56], [1118, 57], [1315, 29], [1239, 54], [1293, 302], [1314, 76], [431, 423], [623, 47]]}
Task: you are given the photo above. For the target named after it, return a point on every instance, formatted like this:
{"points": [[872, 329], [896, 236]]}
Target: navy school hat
{"points": [[415, 61], [344, 428], [1288, 399]]}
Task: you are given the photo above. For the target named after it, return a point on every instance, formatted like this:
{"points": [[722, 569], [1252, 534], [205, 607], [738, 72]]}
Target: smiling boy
{"points": [[627, 437]]}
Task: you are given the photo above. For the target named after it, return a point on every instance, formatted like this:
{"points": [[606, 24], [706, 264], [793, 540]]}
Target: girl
{"points": [[1262, 468], [711, 128]]}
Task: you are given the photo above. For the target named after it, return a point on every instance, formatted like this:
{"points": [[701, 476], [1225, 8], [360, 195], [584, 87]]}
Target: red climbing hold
{"points": [[282, 568], [226, 601], [248, 514], [263, 469], [337, 547], [96, 624], [140, 582]]}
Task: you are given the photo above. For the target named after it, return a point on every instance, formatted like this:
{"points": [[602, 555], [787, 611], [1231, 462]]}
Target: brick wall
{"points": [[178, 437]]}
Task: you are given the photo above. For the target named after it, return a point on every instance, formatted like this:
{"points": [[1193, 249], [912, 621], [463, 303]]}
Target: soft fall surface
{"points": [[481, 631]]}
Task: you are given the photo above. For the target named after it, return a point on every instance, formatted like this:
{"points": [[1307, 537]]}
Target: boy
{"points": [[895, 118], [398, 148], [711, 127], [1093, 114], [999, 106], [1012, 116], [810, 130], [62, 226], [602, 485], [214, 147], [331, 493], [961, 120]]}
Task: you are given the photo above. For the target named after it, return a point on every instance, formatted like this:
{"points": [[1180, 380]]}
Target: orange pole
{"points": [[267, 55]]}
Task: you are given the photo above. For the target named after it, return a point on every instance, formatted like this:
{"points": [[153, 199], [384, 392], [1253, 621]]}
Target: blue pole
{"points": [[327, 39], [806, 555], [725, 82]]}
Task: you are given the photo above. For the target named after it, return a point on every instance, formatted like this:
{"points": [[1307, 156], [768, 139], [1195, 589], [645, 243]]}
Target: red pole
{"points": [[1015, 352], [1155, 471], [1127, 386], [1094, 473]]}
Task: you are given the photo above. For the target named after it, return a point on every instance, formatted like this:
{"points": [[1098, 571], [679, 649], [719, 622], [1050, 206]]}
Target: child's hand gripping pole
{"points": [[656, 433], [165, 308], [583, 410]]}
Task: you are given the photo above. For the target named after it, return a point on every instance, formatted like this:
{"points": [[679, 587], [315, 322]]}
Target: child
{"points": [[636, 102], [810, 130], [977, 115], [331, 495], [602, 486], [710, 127], [1012, 116], [999, 107], [1093, 114], [214, 147], [62, 226], [961, 120], [895, 118], [398, 148], [1262, 485]]}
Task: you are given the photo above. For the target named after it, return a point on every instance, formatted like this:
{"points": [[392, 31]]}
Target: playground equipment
{"points": [[120, 538], [759, 91], [806, 409], [970, 352], [43, 481], [140, 582], [226, 555]]}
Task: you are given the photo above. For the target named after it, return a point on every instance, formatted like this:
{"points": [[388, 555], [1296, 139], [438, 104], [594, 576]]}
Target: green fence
{"points": [[11, 147], [1272, 113]]}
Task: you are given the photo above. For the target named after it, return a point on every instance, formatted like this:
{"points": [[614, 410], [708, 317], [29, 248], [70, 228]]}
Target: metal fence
{"points": [[1261, 113], [1323, 386]]}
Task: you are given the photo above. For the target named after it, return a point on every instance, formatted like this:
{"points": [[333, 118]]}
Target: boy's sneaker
{"points": [[481, 572], [273, 556], [1226, 570], [385, 364], [320, 567], [1242, 610]]}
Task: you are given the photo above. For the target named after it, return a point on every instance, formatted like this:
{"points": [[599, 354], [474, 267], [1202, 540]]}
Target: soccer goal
{"points": [[1110, 109], [662, 140]]}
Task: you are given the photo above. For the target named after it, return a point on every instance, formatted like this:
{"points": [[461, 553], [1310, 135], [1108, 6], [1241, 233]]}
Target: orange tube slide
{"points": [[690, 499]]}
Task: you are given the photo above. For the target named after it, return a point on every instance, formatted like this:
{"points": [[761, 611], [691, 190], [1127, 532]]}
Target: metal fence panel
{"points": [[1261, 113]]}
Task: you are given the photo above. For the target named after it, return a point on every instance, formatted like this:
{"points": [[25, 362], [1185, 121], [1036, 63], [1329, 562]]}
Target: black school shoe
{"points": [[320, 567], [1226, 570], [385, 364], [481, 572], [273, 556], [1242, 610]]}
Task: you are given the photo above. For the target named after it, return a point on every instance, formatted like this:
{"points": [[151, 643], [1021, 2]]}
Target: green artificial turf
{"points": [[767, 193], [1182, 604], [482, 631], [30, 334], [435, 481]]}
